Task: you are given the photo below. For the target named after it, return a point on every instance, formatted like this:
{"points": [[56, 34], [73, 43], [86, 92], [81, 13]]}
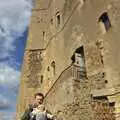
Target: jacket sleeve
{"points": [[26, 115]]}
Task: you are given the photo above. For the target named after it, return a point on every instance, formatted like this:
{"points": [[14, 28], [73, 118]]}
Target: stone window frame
{"points": [[104, 22]]}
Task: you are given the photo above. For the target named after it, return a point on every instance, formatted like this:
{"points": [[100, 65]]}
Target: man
{"points": [[39, 98]]}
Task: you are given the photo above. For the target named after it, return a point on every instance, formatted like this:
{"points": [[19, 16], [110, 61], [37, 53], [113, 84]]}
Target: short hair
{"points": [[39, 94]]}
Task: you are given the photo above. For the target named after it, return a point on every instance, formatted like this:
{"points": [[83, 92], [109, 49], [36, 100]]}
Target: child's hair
{"points": [[41, 107]]}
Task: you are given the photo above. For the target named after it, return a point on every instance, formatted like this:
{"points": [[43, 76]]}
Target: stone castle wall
{"points": [[58, 32], [70, 97]]}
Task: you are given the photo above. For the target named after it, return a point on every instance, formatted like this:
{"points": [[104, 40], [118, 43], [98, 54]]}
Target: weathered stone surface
{"points": [[58, 29], [70, 98]]}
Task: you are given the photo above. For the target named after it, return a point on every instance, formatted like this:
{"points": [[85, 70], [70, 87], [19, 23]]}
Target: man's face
{"points": [[38, 100]]}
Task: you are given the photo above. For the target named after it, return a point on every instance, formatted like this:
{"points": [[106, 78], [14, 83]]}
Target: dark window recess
{"points": [[101, 59], [53, 66], [100, 98], [112, 104], [43, 35], [58, 18], [103, 75], [105, 20], [106, 81], [78, 59], [41, 79], [48, 68]]}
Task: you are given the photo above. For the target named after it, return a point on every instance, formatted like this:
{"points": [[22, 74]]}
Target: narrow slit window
{"points": [[41, 79], [58, 17], [53, 66], [43, 34], [105, 21]]}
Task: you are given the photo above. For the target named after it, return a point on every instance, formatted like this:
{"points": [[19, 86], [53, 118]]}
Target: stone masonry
{"points": [[72, 56]]}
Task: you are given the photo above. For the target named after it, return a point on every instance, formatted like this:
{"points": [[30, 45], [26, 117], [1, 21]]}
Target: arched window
{"points": [[78, 57], [104, 22]]}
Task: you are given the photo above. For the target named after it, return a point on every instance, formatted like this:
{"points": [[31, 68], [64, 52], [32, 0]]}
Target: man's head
{"points": [[39, 97]]}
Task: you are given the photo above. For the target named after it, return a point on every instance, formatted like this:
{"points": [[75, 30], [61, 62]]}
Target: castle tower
{"points": [[32, 63], [72, 56]]}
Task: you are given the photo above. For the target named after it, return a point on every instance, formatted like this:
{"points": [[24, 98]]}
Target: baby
{"points": [[41, 113]]}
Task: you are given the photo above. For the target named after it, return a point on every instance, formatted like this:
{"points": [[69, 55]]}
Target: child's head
{"points": [[41, 108]]}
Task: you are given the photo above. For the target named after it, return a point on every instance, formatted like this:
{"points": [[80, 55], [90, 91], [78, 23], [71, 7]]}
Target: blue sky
{"points": [[14, 20]]}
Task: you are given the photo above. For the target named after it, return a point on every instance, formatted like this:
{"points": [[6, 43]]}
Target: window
{"points": [[58, 19], [41, 79], [53, 66], [78, 60], [78, 57], [51, 21], [48, 68], [104, 22], [43, 34]]}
